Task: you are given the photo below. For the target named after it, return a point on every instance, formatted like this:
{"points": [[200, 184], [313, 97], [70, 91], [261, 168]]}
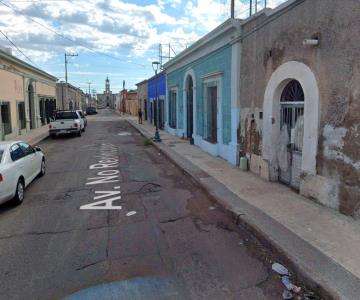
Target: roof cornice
{"points": [[15, 60], [222, 29]]}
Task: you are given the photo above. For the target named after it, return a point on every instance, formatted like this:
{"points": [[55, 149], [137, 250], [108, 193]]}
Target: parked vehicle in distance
{"points": [[82, 115], [91, 111], [20, 164], [66, 121]]}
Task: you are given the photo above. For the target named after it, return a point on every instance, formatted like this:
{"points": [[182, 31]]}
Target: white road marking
{"points": [[124, 134], [131, 213]]}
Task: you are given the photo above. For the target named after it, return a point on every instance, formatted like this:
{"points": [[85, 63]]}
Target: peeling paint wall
{"points": [[276, 39]]}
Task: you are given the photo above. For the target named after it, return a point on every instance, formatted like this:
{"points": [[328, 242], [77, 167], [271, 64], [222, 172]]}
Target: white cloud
{"points": [[115, 27], [171, 3]]}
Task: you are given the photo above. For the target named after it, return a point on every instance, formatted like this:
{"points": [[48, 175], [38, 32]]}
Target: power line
{"points": [[32, 1], [18, 49], [65, 37]]}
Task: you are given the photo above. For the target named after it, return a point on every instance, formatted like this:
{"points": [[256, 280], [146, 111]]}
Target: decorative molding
{"points": [[213, 75]]}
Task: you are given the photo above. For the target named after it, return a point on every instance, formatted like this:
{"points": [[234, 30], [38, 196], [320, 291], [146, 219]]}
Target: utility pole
{"points": [[66, 76], [89, 83], [160, 54], [232, 9]]}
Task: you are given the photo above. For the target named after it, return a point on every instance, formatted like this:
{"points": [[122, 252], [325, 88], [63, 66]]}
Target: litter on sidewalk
{"points": [[287, 295], [291, 287], [280, 269]]}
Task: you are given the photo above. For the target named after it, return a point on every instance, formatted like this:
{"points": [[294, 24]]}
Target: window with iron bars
{"points": [[21, 113], [172, 109], [210, 112], [6, 117]]}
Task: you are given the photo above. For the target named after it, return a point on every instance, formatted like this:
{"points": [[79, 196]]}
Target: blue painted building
{"points": [[152, 105], [202, 101]]}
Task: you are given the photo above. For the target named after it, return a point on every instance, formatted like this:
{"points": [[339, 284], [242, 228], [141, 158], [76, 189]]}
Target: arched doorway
{"points": [[31, 106], [291, 123], [189, 107], [291, 133]]}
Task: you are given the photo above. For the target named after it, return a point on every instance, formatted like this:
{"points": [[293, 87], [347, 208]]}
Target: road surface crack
{"points": [[35, 233], [224, 226], [39, 233], [149, 188], [174, 220], [89, 265]]}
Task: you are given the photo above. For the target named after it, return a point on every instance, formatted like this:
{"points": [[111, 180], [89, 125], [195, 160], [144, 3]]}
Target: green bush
{"points": [[147, 142]]}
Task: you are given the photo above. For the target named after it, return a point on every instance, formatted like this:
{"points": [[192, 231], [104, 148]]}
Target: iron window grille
{"points": [[21, 112], [6, 118]]}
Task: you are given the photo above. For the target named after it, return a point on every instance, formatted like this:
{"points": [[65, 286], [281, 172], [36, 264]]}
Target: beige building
{"points": [[300, 99], [27, 96], [75, 97], [131, 102], [142, 95]]}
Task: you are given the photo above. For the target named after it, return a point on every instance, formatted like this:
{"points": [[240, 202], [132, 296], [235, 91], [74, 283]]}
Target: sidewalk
{"points": [[34, 136], [321, 245]]}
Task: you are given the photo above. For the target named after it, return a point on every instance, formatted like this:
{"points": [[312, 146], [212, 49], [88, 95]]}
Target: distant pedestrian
{"points": [[140, 116]]}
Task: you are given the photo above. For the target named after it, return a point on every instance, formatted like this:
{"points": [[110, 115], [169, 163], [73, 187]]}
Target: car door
{"points": [[32, 160], [19, 162], [82, 122], [8, 174]]}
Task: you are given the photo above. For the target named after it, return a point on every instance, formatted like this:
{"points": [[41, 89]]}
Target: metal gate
{"points": [[292, 126]]}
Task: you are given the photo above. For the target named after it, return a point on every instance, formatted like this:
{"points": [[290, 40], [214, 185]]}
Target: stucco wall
{"points": [[336, 66], [132, 103], [142, 94], [46, 89], [11, 90], [220, 60]]}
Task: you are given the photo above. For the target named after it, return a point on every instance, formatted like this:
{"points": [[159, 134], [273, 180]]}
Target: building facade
{"points": [[300, 99], [27, 96], [142, 95], [131, 102], [203, 92], [72, 98], [106, 99], [156, 85]]}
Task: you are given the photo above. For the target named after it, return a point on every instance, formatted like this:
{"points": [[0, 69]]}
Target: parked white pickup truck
{"points": [[66, 121]]}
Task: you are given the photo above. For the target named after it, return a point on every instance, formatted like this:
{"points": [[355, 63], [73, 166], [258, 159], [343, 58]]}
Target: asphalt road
{"points": [[168, 240]]}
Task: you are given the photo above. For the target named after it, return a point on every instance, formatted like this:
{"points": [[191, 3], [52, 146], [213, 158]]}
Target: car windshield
{"points": [[66, 115]]}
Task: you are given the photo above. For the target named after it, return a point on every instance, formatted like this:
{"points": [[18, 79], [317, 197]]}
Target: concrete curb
{"points": [[38, 139], [318, 271]]}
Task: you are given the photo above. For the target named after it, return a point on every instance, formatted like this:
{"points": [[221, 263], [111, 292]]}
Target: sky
{"points": [[115, 38]]}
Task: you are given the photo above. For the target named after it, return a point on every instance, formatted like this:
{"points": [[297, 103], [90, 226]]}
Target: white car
{"points": [[66, 121], [20, 164]]}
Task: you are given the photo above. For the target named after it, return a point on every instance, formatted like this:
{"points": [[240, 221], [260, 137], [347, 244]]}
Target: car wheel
{"points": [[20, 192], [79, 133], [53, 136], [43, 168], [83, 129]]}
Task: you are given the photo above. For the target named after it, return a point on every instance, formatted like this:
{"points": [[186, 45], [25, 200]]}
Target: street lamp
{"points": [[156, 66]]}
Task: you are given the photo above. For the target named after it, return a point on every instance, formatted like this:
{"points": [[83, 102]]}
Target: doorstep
{"points": [[320, 244]]}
